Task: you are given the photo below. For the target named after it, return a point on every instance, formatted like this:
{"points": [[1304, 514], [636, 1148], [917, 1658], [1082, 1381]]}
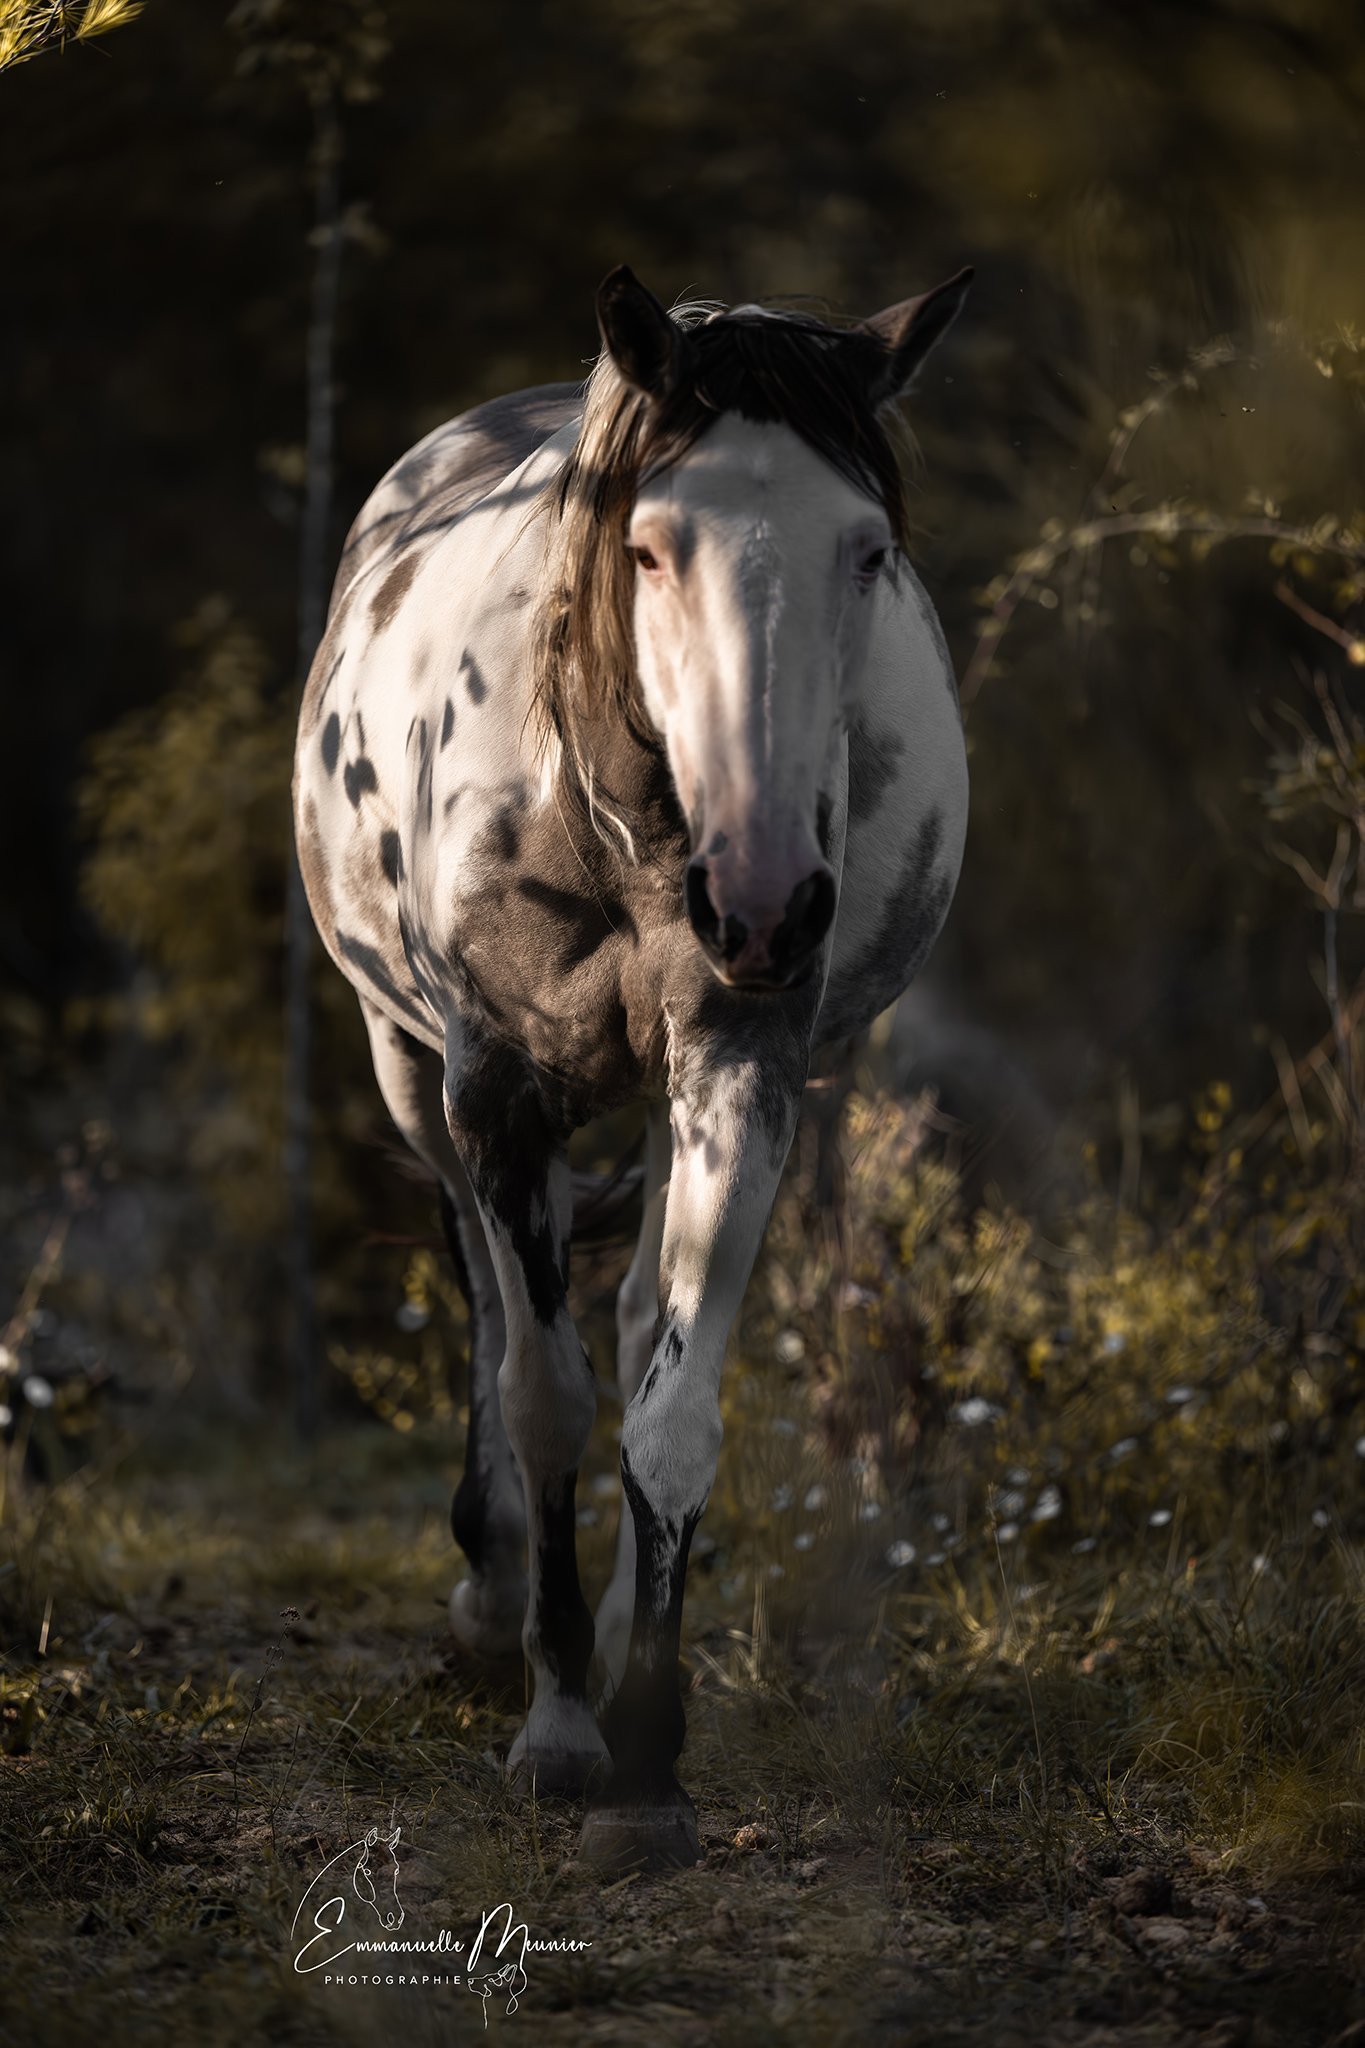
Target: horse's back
{"points": [[451, 470], [425, 632]]}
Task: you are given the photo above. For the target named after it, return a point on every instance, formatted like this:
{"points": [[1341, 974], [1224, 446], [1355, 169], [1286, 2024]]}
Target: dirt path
{"points": [[917, 1826]]}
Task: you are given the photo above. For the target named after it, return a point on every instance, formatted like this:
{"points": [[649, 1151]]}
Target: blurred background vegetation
{"points": [[1139, 507]]}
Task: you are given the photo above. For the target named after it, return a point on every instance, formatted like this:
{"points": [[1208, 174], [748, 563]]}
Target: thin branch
{"points": [[1351, 642], [1164, 523]]}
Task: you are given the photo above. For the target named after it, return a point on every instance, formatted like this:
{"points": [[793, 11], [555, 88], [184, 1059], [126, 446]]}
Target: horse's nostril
{"points": [[809, 913], [701, 911], [722, 937]]}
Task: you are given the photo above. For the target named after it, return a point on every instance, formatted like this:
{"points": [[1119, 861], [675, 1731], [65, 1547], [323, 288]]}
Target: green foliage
{"points": [[1194, 1372], [188, 807]]}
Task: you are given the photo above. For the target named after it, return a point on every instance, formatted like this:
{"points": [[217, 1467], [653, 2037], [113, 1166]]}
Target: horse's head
{"points": [[764, 513]]}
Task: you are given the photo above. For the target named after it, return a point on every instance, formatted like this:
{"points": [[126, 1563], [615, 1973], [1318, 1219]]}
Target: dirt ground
{"points": [[923, 1818]]}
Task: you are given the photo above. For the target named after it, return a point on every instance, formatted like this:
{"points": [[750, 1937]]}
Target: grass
{"points": [[1019, 1794]]}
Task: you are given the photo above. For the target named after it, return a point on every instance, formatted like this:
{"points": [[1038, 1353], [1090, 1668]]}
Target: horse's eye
{"points": [[871, 566], [644, 559]]}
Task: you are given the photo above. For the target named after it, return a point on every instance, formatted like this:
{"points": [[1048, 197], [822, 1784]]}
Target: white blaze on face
{"points": [[757, 565]]}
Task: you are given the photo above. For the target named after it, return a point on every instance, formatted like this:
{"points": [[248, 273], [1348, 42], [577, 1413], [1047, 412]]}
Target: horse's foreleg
{"points": [[487, 1517], [519, 1172], [731, 1132], [637, 1316]]}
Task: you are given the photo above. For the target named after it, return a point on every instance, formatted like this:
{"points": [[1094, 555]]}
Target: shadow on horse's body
{"points": [[630, 767]]}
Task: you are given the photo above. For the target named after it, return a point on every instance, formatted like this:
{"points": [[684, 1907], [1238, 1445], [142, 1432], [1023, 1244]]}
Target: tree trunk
{"points": [[317, 508]]}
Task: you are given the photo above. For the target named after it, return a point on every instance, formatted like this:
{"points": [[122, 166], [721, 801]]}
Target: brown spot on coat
{"points": [[393, 589], [316, 878]]}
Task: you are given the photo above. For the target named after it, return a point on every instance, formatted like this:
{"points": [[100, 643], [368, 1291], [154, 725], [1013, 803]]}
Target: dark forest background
{"points": [[1140, 470]]}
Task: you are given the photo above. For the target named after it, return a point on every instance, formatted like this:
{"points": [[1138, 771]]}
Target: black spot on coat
{"points": [[359, 778]]}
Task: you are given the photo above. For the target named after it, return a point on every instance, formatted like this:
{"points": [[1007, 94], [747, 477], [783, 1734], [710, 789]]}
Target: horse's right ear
{"points": [[645, 345], [908, 331]]}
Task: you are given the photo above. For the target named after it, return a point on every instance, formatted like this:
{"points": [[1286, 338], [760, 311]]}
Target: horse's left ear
{"points": [[908, 331], [645, 345]]}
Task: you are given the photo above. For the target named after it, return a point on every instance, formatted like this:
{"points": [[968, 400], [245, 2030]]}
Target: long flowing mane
{"points": [[790, 368]]}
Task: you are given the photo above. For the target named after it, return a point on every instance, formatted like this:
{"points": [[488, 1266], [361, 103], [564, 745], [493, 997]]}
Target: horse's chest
{"points": [[565, 959]]}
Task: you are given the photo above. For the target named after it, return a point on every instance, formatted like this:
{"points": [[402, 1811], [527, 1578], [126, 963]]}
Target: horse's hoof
{"points": [[481, 1627], [619, 1839]]}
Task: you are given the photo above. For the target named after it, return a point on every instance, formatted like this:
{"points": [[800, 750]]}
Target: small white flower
{"points": [[782, 1499], [776, 1571], [6, 1358], [604, 1485], [900, 1553], [940, 1522], [586, 1518], [1259, 1563], [937, 1557], [1158, 1518], [975, 1410], [815, 1499], [1114, 1343], [789, 1348], [854, 1296], [804, 1541], [869, 1511], [6, 1415], [1360, 1446], [1321, 1519], [412, 1315], [1178, 1396], [37, 1392], [1007, 1532], [1018, 1475], [1124, 1448], [1012, 1503], [1048, 1505], [1083, 1544]]}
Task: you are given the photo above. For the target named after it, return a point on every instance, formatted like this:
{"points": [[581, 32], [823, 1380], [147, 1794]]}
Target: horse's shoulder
{"points": [[450, 469]]}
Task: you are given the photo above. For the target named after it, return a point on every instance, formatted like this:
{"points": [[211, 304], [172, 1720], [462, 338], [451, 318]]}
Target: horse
{"points": [[630, 768], [362, 1879]]}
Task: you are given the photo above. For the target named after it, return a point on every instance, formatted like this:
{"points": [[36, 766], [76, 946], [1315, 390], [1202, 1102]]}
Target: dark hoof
{"points": [[566, 1776], [618, 1839]]}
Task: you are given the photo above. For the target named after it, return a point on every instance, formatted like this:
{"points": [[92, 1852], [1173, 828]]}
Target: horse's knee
{"points": [[670, 1442], [549, 1398]]}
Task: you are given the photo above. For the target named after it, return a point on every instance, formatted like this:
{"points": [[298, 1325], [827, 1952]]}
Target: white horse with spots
{"points": [[630, 767]]}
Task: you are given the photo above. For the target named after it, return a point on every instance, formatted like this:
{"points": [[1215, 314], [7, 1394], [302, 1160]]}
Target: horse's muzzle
{"points": [[761, 953]]}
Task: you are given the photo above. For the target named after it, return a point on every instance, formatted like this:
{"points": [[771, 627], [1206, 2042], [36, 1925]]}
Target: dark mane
{"points": [[793, 370], [789, 369]]}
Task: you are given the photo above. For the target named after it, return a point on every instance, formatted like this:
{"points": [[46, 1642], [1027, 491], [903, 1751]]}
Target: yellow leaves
{"points": [[28, 27], [99, 16]]}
